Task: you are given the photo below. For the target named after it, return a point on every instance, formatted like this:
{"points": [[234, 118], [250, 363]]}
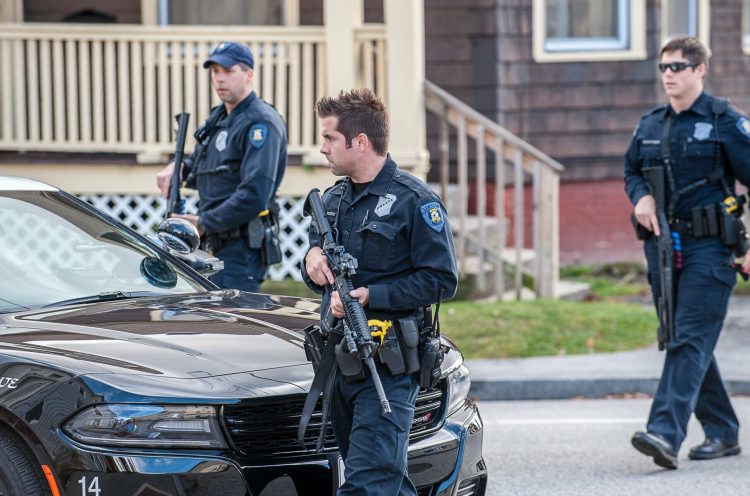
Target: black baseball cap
{"points": [[229, 54]]}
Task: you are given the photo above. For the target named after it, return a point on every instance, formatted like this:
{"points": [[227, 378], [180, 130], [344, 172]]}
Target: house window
{"points": [[685, 17], [221, 12], [589, 30]]}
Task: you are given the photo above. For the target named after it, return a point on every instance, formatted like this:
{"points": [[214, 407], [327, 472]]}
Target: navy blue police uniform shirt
{"points": [[397, 230], [243, 166], [693, 137]]}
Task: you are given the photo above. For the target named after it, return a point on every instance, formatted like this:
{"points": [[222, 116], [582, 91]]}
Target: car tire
{"points": [[19, 473]]}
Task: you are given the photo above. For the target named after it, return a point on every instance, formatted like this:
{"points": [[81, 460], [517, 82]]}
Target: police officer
{"points": [[237, 167], [396, 228], [705, 145]]}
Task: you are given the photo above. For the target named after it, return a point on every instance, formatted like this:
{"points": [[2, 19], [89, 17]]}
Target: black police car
{"points": [[123, 371]]}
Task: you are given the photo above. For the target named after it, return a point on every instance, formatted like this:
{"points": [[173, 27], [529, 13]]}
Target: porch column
{"points": [[341, 17], [11, 10], [404, 25], [149, 13]]}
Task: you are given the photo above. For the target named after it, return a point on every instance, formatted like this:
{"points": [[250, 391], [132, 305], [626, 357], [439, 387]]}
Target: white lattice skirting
{"points": [[144, 213]]}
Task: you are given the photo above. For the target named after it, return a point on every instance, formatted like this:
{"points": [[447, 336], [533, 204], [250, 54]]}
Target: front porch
{"points": [[94, 103]]}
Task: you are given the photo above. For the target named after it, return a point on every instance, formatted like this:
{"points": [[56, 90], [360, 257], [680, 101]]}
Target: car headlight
{"points": [[459, 383], [147, 426]]}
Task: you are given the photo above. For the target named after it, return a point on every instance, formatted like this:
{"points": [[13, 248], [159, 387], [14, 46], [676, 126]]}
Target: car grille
{"points": [[268, 427], [469, 487]]}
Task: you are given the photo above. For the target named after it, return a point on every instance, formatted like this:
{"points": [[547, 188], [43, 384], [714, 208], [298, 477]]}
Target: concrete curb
{"points": [[576, 388]]}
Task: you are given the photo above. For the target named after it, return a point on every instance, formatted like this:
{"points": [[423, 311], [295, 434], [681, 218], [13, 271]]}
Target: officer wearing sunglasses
{"points": [[703, 145]]}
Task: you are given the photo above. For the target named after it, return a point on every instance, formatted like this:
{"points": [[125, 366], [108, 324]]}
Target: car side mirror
{"points": [[179, 235]]}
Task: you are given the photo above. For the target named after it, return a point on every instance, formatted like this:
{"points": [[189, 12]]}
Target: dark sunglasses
{"points": [[676, 66]]}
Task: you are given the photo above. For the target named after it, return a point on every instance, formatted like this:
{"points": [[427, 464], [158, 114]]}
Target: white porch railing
{"points": [[115, 88], [482, 240]]}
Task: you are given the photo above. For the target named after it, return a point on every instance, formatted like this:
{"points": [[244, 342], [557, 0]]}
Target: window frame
{"points": [[702, 19], [631, 45]]}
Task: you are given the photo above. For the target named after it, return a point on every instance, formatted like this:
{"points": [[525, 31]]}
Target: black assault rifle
{"points": [[343, 265], [175, 203], [665, 303]]}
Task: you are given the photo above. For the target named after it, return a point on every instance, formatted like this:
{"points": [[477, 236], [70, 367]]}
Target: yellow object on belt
{"points": [[379, 328], [731, 203]]}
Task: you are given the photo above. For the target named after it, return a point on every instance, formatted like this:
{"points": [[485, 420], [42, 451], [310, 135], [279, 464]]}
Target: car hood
{"points": [[186, 336]]}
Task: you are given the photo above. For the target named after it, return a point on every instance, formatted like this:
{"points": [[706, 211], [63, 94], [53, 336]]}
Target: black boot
{"points": [[657, 447], [714, 448]]}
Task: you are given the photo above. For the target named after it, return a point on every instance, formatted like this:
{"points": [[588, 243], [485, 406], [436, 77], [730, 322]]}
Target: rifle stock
{"points": [[343, 265], [665, 302], [175, 204]]}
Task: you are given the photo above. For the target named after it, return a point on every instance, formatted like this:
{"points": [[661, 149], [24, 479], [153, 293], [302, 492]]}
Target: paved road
{"points": [[582, 447]]}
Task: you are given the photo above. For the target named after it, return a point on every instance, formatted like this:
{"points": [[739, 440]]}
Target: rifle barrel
{"points": [[174, 203]]}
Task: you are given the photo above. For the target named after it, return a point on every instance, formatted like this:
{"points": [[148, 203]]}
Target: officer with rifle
{"points": [[680, 173], [237, 166], [381, 257]]}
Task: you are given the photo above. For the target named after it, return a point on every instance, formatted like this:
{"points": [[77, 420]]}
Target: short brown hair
{"points": [[691, 47], [358, 111]]}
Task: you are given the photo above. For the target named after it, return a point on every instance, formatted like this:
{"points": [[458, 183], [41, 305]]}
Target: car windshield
{"points": [[53, 249]]}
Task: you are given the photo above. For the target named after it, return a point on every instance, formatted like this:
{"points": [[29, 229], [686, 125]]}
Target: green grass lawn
{"points": [[615, 317], [546, 327]]}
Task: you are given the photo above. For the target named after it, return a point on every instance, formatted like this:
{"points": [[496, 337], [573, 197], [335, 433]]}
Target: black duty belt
{"points": [[684, 227], [700, 228], [217, 240]]}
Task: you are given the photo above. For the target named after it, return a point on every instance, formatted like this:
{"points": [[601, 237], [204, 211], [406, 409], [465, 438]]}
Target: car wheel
{"points": [[19, 474]]}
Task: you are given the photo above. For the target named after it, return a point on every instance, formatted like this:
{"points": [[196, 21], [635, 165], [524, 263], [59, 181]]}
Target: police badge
{"points": [[384, 204], [221, 141], [702, 130]]}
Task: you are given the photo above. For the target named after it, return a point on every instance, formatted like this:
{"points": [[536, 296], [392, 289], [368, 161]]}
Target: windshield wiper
{"points": [[105, 296]]}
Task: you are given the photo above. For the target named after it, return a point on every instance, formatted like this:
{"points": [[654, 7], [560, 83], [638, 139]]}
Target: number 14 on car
{"points": [[92, 488]]}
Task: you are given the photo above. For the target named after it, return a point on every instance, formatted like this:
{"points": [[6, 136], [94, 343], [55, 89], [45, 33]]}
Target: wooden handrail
{"points": [[437, 97], [526, 161]]}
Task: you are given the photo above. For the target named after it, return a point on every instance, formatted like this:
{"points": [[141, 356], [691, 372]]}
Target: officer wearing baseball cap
{"points": [[230, 53], [237, 166]]}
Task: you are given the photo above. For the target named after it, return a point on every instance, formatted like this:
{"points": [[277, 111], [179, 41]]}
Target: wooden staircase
{"points": [[505, 270]]}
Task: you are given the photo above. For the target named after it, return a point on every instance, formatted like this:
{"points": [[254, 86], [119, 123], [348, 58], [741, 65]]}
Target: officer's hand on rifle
{"points": [[337, 306], [316, 265], [645, 212], [163, 179]]}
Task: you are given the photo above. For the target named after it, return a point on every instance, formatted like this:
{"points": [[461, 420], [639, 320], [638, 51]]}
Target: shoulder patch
{"points": [[433, 215], [743, 124], [258, 135]]}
